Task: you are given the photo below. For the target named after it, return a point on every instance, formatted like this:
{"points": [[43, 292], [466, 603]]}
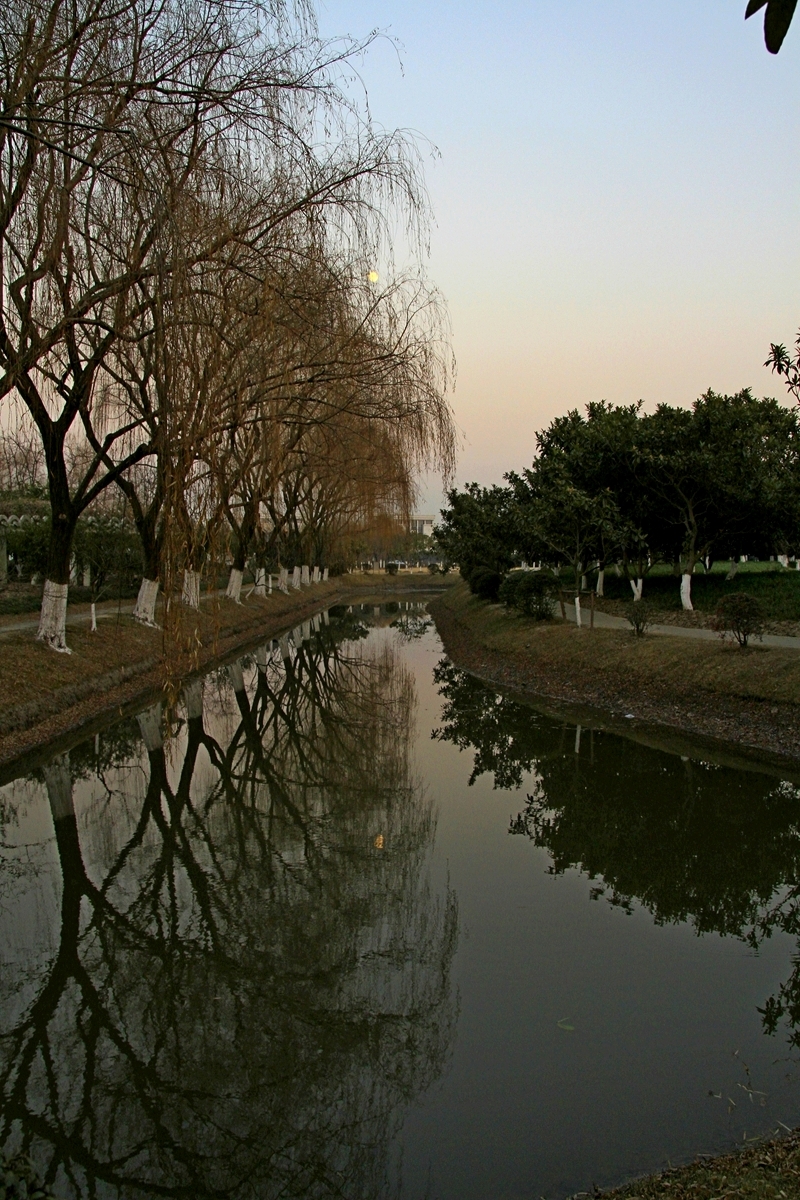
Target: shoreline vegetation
{"points": [[766, 1169], [745, 702], [53, 699]]}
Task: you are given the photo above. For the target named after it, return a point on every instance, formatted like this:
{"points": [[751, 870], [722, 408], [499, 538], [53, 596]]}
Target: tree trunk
{"points": [[734, 567], [686, 591], [93, 628], [191, 588], [53, 617], [601, 575], [637, 587], [261, 581], [193, 698], [234, 591], [578, 611], [149, 723], [145, 610], [236, 676]]}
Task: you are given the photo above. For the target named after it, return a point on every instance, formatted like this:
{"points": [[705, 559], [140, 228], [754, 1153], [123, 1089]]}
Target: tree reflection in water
{"points": [[690, 840], [252, 973]]}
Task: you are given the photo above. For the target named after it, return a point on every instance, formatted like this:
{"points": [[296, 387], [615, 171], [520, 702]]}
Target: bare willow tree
{"points": [[109, 114]]}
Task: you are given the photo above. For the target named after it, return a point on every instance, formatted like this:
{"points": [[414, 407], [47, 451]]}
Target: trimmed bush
{"points": [[740, 615], [530, 592], [638, 613], [485, 582], [392, 568]]}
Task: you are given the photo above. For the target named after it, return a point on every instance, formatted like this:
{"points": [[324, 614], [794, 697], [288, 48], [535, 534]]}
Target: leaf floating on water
{"points": [[565, 1025]]}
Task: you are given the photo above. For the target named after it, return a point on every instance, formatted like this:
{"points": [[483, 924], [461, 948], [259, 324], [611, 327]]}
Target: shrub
{"points": [[741, 615], [639, 616], [529, 592], [485, 582], [433, 568], [392, 568]]}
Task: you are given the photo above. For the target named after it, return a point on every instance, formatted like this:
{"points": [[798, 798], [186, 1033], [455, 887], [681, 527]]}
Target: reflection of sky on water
{"points": [[264, 908]]}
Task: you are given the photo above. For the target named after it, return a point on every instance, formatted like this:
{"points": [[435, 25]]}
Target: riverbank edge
{"points": [[732, 731], [36, 730], [761, 1170]]}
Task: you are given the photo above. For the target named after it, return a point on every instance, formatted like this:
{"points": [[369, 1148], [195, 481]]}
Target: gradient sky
{"points": [[616, 201]]}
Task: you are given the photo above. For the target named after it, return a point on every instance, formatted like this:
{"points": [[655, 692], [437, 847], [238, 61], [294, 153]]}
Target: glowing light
{"points": [[373, 276]]}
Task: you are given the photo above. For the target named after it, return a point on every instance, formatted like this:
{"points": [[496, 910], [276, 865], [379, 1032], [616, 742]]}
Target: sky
{"points": [[616, 196]]}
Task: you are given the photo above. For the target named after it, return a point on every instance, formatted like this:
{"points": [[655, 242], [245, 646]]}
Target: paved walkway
{"points": [[79, 615], [607, 621]]}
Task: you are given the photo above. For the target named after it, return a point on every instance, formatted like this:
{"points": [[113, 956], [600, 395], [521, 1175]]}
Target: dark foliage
{"points": [[740, 615], [530, 592], [485, 582]]}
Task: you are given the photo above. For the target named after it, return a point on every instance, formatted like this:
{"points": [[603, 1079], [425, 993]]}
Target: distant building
{"points": [[423, 525]]}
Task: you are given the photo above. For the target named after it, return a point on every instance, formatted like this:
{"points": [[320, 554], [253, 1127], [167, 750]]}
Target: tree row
{"points": [[193, 209]]}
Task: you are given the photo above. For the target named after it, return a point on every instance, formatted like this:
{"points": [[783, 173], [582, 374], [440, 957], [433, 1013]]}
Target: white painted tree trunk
{"points": [[145, 610], [236, 676], [149, 723], [618, 569], [269, 585], [283, 580], [326, 617], [305, 577], [325, 575], [734, 567], [87, 577], [191, 589], [234, 590], [584, 586], [53, 617], [315, 575], [93, 627], [601, 576], [261, 581], [193, 698], [296, 579], [783, 559], [578, 611], [686, 592], [636, 587], [283, 646], [577, 739], [58, 781]]}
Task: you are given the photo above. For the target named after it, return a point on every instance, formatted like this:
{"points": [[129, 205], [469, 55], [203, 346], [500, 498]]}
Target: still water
{"points": [[351, 924]]}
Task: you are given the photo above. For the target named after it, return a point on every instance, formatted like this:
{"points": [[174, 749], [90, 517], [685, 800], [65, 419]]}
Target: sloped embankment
{"points": [[747, 699]]}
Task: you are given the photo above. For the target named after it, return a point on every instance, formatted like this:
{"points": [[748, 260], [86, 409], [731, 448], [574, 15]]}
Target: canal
{"points": [[350, 923]]}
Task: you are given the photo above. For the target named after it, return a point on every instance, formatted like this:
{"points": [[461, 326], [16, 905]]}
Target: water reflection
{"points": [[248, 975], [689, 840]]}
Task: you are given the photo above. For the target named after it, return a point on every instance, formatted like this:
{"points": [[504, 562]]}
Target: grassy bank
{"points": [[48, 696], [768, 1170], [706, 689]]}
